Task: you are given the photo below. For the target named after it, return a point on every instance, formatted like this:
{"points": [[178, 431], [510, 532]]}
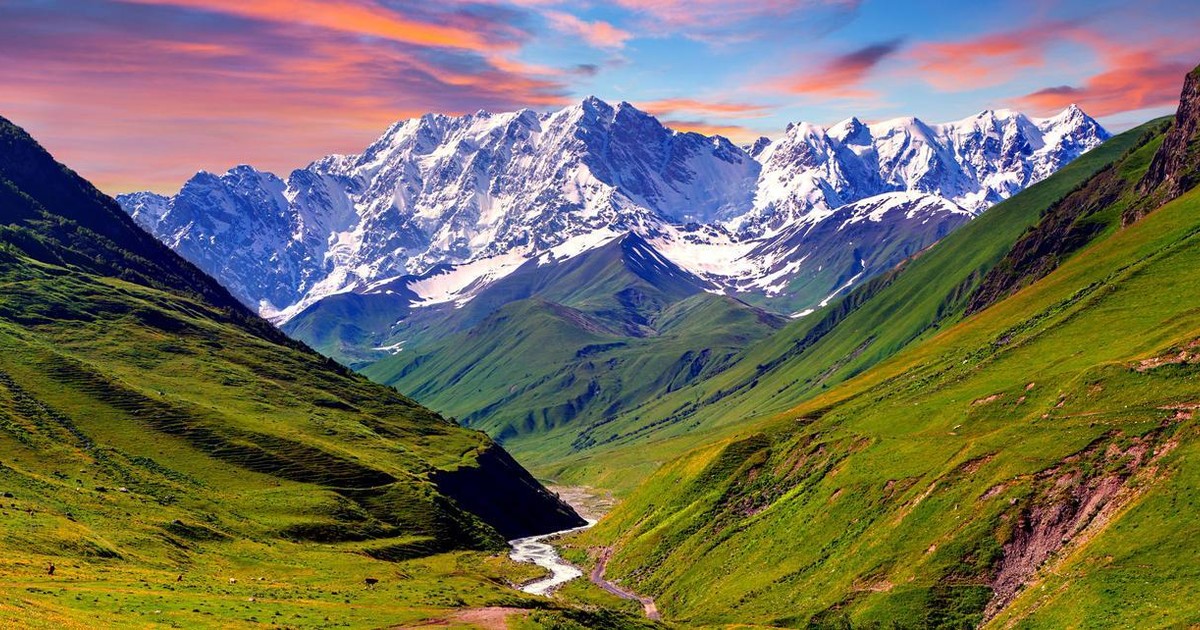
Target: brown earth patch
{"points": [[488, 618], [1071, 506], [986, 400]]}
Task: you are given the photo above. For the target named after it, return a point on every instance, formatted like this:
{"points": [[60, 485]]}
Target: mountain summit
{"points": [[440, 190]]}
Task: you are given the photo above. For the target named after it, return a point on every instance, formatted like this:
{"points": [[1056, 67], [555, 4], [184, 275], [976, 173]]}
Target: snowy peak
{"points": [[909, 203], [975, 162], [851, 132], [456, 202]]}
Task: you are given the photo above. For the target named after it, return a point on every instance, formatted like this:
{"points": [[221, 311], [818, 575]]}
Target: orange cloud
{"points": [[345, 16], [841, 76], [1132, 80], [986, 60], [599, 34], [736, 133], [709, 108]]}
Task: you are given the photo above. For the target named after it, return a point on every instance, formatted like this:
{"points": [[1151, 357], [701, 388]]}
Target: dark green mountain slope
{"points": [[149, 425], [625, 282], [347, 326], [872, 323], [549, 354], [1031, 465]]}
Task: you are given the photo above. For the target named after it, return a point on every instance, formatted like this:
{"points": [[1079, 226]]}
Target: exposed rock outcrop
{"points": [[1073, 501], [1176, 167]]}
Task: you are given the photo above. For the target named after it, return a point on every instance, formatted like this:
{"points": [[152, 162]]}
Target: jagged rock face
{"points": [[806, 265], [974, 162], [441, 190], [1174, 168]]}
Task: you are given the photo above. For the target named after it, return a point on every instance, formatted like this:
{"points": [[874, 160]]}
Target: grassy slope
{"points": [[832, 243], [600, 335], [159, 442], [848, 337], [344, 326], [891, 498]]}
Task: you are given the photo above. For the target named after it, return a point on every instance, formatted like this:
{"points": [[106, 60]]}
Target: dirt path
{"points": [[490, 618], [598, 579]]}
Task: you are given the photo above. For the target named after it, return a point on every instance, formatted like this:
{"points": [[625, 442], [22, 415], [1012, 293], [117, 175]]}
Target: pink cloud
{"points": [[144, 103], [839, 77], [1132, 79], [725, 21], [692, 13], [985, 60], [350, 16], [600, 34]]}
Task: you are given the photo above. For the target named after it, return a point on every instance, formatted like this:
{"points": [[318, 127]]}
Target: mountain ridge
{"points": [[441, 190]]}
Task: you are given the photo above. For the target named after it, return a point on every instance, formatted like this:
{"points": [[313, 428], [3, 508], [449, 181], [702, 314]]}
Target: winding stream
{"points": [[534, 549]]}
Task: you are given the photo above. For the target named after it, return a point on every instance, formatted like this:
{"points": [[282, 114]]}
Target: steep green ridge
{"points": [[623, 282], [814, 353], [346, 326], [837, 243], [1033, 464], [153, 428], [548, 355]]}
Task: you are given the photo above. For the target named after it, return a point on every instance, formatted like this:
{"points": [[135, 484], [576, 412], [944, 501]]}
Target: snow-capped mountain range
{"points": [[457, 202]]}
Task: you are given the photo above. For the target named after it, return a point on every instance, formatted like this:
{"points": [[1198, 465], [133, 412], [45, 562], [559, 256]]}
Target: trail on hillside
{"points": [[597, 577]]}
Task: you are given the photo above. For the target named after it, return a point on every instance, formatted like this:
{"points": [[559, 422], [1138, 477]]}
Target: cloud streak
{"points": [[361, 18], [709, 108], [737, 133], [985, 60], [145, 102], [842, 76], [600, 34]]}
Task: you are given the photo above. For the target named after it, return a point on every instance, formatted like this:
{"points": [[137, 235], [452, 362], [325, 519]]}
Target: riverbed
{"points": [[589, 503], [536, 550]]}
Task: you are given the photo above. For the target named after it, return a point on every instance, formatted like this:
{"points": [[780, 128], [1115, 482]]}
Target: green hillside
{"points": [[815, 353], [549, 355], [1031, 465], [577, 366], [347, 326], [179, 461]]}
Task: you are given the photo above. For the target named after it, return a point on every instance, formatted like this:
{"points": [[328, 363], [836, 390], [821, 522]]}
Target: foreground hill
{"points": [[1032, 463], [163, 446]]}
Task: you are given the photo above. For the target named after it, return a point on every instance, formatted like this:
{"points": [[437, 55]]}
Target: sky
{"points": [[140, 94]]}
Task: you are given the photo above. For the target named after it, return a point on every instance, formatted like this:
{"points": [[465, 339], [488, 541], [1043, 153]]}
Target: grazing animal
{"points": [[371, 581], [50, 571]]}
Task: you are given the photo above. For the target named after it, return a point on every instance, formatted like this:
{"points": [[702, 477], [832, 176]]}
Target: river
{"points": [[536, 550]]}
